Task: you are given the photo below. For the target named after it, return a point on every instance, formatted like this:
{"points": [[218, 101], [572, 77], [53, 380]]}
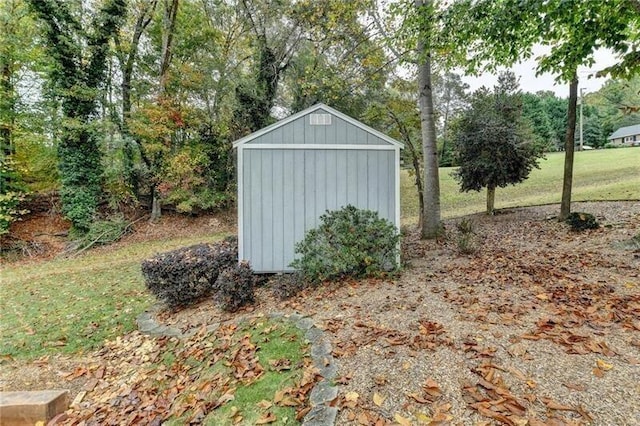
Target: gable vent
{"points": [[320, 119]]}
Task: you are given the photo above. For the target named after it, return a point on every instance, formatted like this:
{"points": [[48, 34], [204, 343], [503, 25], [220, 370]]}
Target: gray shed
{"points": [[292, 172]]}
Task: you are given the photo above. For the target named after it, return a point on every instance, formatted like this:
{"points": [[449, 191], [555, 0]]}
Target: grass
{"points": [[612, 174], [283, 342], [73, 305], [274, 340]]}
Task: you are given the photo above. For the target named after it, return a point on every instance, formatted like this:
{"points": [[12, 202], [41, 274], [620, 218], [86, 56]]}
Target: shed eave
{"points": [[309, 110]]}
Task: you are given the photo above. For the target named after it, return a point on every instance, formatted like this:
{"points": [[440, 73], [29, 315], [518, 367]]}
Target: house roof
{"points": [[626, 131], [309, 110]]}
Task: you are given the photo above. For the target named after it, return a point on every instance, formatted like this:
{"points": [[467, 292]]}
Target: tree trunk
{"points": [[415, 160], [168, 28], [491, 198], [126, 63], [6, 127], [156, 205], [569, 144], [431, 212]]}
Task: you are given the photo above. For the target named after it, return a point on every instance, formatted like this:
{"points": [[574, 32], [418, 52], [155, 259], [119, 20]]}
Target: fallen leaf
{"points": [[351, 396], [598, 373], [380, 380], [602, 365], [556, 405], [402, 420], [423, 418], [418, 398], [78, 399], [90, 385], [264, 404], [378, 399], [363, 419], [279, 395], [266, 418], [343, 380], [575, 386]]}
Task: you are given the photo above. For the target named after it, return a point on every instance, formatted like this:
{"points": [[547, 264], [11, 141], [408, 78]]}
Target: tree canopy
{"points": [[494, 143]]}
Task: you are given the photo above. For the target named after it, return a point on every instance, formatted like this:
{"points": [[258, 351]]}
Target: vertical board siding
{"points": [[339, 132], [277, 209], [268, 187], [289, 211], [285, 191], [253, 207], [300, 207]]}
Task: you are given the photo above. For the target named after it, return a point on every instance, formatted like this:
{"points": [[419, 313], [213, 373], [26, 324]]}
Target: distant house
{"points": [[626, 136]]}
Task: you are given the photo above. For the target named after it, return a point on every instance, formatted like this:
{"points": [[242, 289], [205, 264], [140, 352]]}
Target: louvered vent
{"points": [[320, 119]]}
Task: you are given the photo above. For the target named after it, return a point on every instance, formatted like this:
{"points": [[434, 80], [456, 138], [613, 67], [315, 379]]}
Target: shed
{"points": [[293, 171]]}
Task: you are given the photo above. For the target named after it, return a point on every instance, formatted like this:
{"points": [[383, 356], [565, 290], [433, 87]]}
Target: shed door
{"points": [[285, 191]]}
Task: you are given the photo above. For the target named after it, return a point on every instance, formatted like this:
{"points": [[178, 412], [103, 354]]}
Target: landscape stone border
{"points": [[323, 392]]}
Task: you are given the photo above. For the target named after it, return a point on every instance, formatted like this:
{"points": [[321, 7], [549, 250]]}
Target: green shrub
{"points": [[12, 193], [9, 211], [466, 236], [581, 221], [348, 243], [234, 286], [182, 277]]}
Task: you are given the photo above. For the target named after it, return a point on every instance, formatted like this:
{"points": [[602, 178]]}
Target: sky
{"points": [[529, 82]]}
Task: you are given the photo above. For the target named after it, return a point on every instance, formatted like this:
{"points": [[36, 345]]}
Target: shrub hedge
{"points": [[181, 277], [234, 286]]}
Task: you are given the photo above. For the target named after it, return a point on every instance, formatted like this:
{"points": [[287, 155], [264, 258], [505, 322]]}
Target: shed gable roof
{"points": [[310, 110], [626, 131]]}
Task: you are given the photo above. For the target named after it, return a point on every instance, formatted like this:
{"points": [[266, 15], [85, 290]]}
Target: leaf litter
{"points": [[541, 326], [511, 335], [136, 379]]}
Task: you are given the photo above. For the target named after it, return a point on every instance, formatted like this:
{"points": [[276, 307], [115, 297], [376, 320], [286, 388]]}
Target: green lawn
{"points": [[73, 305], [612, 174]]}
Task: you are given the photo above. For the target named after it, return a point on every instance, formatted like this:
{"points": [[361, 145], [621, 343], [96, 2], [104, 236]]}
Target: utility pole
{"points": [[581, 102]]}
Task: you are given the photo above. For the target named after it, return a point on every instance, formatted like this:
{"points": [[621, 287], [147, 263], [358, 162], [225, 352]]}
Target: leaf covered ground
{"points": [[540, 326], [256, 372]]}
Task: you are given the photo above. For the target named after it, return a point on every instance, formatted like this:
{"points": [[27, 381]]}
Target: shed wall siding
{"points": [[277, 182], [300, 131]]}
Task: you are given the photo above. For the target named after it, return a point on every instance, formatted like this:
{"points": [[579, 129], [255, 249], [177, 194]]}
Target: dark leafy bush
{"points": [[234, 286], [181, 277], [285, 286], [348, 243], [580, 221]]}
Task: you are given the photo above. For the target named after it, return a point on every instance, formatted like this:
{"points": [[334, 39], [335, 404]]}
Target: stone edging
{"points": [[323, 392]]}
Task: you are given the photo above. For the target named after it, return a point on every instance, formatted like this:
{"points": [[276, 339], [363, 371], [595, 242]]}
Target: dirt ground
{"points": [[540, 325]]}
